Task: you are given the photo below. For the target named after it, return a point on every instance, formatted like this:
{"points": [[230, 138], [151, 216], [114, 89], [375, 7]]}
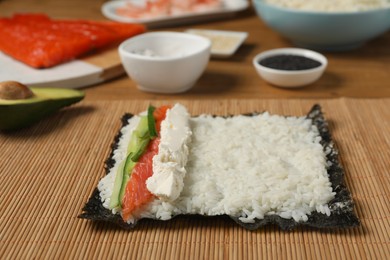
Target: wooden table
{"points": [[49, 170], [360, 73]]}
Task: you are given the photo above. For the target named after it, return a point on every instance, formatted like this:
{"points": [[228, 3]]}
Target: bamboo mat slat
{"points": [[48, 171]]}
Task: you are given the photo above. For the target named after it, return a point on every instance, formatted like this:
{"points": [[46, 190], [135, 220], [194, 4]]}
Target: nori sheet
{"points": [[341, 207]]}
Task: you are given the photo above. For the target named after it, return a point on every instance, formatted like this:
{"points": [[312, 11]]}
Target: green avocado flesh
{"points": [[16, 114]]}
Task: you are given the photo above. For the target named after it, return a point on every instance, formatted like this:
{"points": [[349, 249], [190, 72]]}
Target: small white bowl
{"points": [[165, 62], [290, 78]]}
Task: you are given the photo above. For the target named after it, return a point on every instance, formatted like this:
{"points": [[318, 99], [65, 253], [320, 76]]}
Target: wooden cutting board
{"points": [[108, 61], [92, 69]]}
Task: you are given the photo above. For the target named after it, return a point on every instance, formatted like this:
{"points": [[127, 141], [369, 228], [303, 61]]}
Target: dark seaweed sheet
{"points": [[93, 209], [341, 207]]}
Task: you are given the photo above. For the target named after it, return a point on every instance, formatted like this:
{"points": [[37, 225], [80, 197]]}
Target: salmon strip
{"points": [[41, 42], [159, 115], [136, 193]]}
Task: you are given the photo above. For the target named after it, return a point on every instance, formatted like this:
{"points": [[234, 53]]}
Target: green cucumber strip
{"points": [[139, 139], [140, 133], [127, 169], [143, 143], [114, 200], [129, 164], [121, 178], [152, 122], [143, 128], [134, 143], [122, 191]]}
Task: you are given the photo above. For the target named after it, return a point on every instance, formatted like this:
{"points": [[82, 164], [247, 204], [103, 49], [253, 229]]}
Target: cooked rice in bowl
{"points": [[332, 5]]}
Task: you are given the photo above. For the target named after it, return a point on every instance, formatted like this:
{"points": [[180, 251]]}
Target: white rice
{"points": [[332, 5], [247, 167]]}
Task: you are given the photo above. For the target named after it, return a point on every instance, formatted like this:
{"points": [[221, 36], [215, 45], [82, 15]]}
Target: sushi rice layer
{"points": [[242, 166]]}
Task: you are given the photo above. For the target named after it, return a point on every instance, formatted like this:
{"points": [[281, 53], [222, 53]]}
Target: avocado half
{"points": [[20, 113]]}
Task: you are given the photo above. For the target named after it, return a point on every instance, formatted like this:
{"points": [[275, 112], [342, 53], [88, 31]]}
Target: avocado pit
{"points": [[13, 90]]}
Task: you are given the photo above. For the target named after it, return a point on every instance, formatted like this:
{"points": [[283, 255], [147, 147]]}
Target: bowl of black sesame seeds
{"points": [[290, 67]]}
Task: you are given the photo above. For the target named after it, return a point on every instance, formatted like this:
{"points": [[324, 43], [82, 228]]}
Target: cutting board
{"points": [[92, 69]]}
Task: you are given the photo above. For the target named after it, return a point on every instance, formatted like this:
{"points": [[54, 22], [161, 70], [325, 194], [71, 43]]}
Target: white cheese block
{"points": [[169, 164]]}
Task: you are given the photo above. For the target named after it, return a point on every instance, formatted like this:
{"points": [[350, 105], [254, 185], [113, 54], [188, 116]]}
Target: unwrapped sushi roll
{"points": [[258, 169]]}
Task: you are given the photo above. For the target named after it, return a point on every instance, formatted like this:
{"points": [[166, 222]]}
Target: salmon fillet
{"points": [[41, 42]]}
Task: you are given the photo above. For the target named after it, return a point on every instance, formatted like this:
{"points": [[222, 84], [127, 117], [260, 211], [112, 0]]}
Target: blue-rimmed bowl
{"points": [[332, 31]]}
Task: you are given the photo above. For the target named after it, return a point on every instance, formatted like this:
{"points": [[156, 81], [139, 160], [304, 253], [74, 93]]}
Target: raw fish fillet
{"points": [[137, 194], [41, 42]]}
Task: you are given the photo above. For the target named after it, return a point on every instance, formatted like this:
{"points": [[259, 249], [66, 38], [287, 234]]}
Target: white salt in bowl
{"points": [[290, 78], [165, 62]]}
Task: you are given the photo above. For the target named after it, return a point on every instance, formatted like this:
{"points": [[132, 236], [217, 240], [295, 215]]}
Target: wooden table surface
{"points": [[360, 73], [49, 169]]}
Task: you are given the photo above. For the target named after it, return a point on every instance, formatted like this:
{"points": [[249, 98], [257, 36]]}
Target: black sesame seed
{"points": [[289, 62]]}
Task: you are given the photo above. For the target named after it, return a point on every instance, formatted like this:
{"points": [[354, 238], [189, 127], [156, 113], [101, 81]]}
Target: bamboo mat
{"points": [[48, 171]]}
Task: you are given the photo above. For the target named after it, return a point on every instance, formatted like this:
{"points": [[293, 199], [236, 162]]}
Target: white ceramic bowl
{"points": [[290, 78], [165, 62]]}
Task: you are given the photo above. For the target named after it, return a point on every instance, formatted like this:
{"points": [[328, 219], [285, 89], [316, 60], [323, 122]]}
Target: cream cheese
{"points": [[169, 164]]}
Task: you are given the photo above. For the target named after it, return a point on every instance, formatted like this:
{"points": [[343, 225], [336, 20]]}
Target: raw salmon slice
{"points": [[41, 42], [136, 194], [159, 114]]}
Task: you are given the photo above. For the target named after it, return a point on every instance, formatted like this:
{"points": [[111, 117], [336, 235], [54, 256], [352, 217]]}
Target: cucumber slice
{"points": [[152, 122], [114, 200], [142, 144], [127, 169], [139, 141], [139, 134], [121, 178]]}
